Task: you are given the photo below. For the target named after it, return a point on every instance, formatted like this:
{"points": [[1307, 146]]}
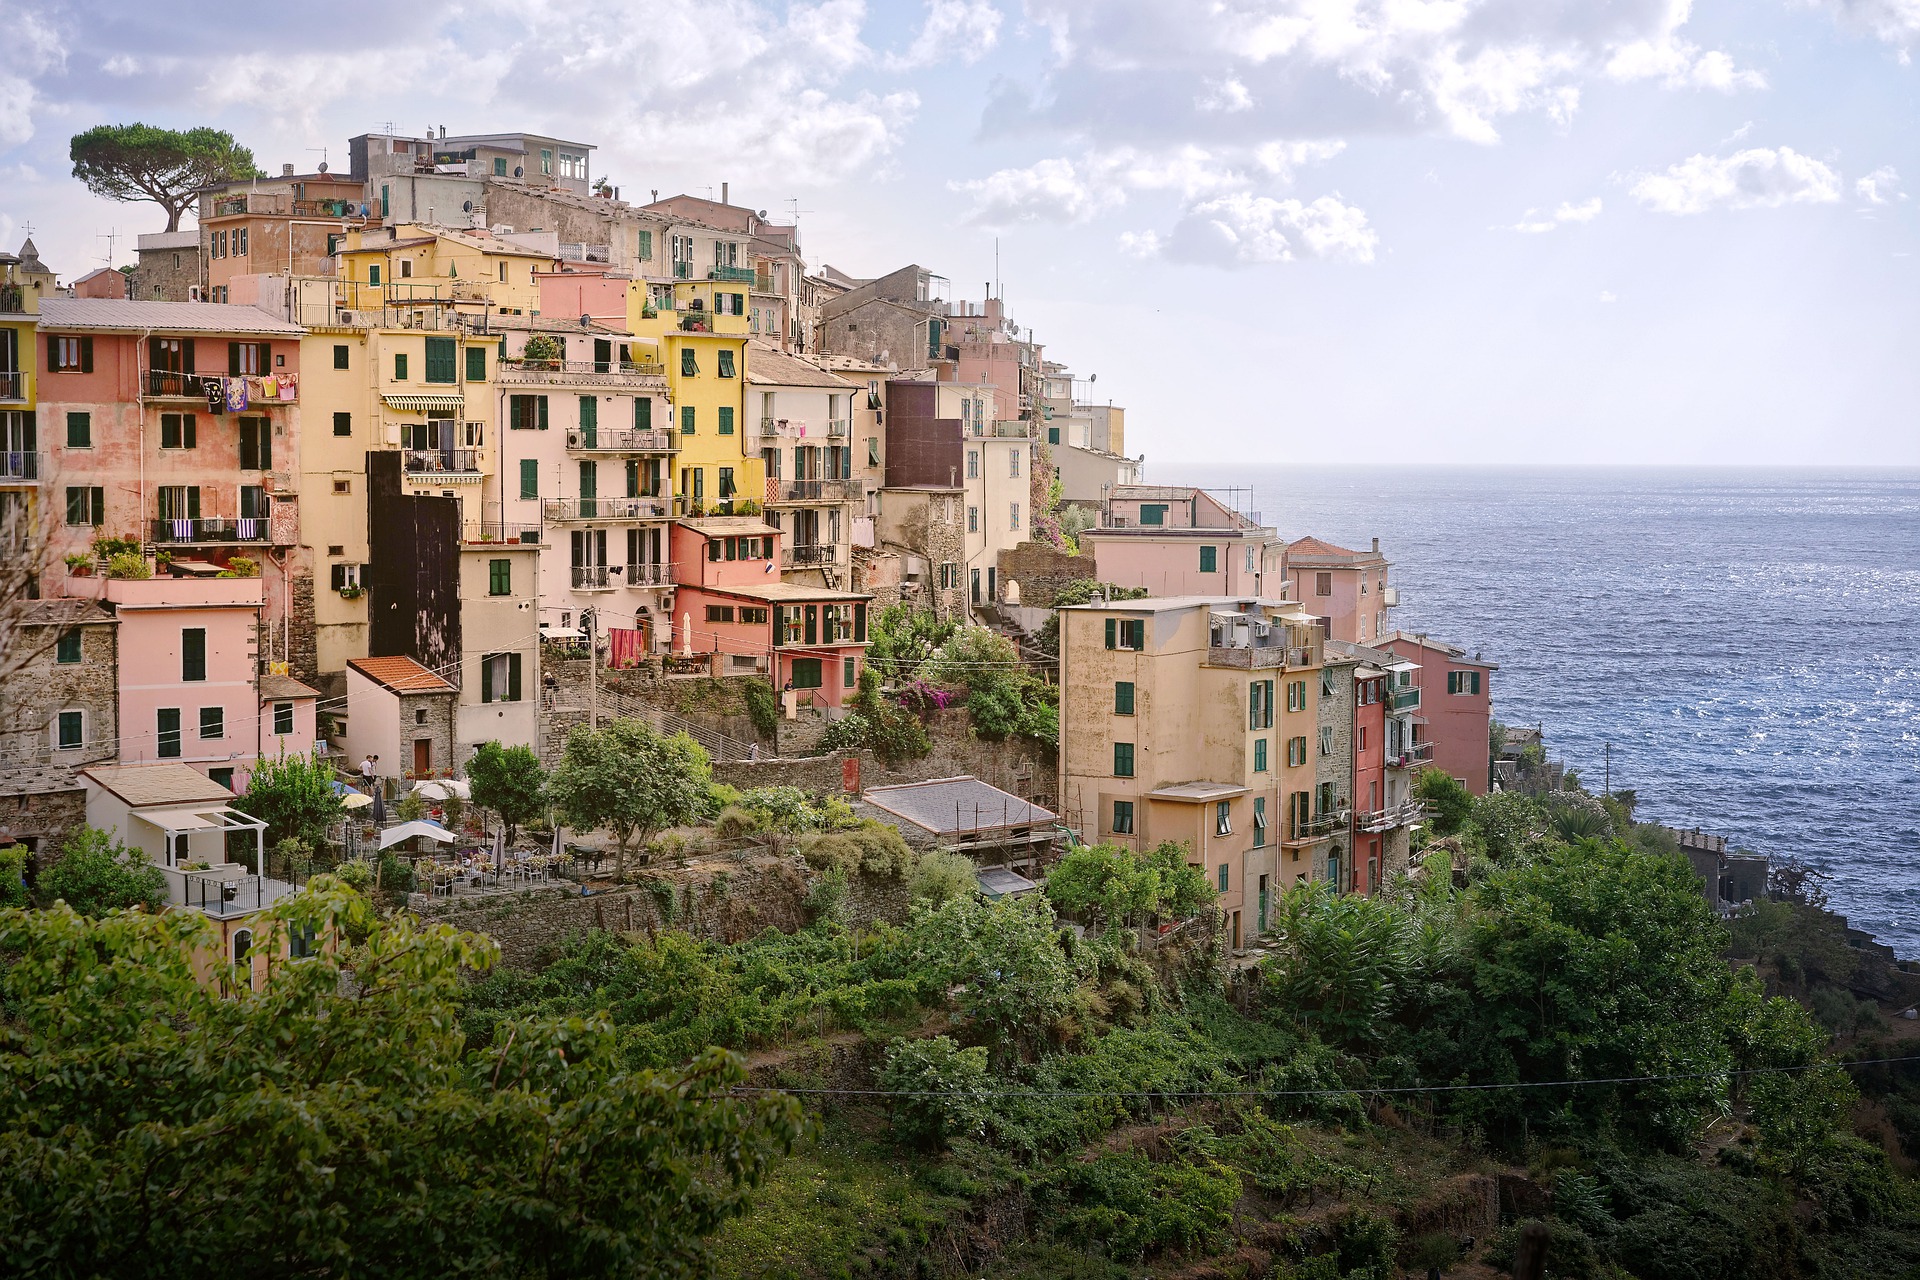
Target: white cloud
{"points": [[1894, 22], [1060, 189], [954, 30], [1533, 222], [1608, 296], [1882, 186], [1681, 65], [1758, 178], [1050, 191], [1243, 229], [1226, 95], [33, 48]]}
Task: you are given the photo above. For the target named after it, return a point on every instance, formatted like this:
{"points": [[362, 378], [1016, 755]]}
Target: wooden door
{"points": [[422, 757]]}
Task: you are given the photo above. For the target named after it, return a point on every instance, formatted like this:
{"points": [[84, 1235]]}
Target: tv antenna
{"points": [[794, 211], [323, 156], [112, 237]]}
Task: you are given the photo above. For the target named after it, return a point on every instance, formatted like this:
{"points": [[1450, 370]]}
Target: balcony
{"points": [[803, 557], [646, 577], [621, 441], [165, 384], [591, 577], [602, 510], [1258, 657], [703, 321], [1404, 699], [786, 491], [732, 275], [494, 532], [1404, 814], [443, 462], [1418, 753], [764, 284], [1313, 830], [841, 427], [580, 373], [249, 529], [19, 468], [13, 384]]}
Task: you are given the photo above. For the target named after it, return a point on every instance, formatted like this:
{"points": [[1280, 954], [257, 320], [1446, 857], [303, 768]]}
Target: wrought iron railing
{"points": [[733, 275], [591, 577], [13, 384], [250, 529], [577, 509], [443, 461], [19, 466]]}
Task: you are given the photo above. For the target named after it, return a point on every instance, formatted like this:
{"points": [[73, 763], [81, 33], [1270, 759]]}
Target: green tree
{"points": [[509, 781], [941, 1090], [13, 876], [97, 874], [631, 781], [901, 638], [1342, 963], [1015, 978], [1119, 886], [334, 1122], [132, 162], [1447, 799], [295, 797], [939, 878]]}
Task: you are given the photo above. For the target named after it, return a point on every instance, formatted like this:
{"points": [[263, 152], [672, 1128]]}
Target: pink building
{"points": [[1179, 541], [1348, 588], [1456, 700], [136, 448], [187, 682], [729, 601]]}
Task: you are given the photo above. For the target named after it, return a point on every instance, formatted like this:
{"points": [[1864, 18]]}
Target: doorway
{"points": [[422, 757]]}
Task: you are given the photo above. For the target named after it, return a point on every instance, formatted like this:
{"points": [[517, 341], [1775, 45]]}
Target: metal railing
{"points": [[517, 370], [1403, 814], [763, 284], [703, 321], [1415, 754], [1258, 656], [1406, 699], [1313, 829], [250, 529], [794, 557], [573, 510], [733, 275], [13, 384], [591, 577], [625, 441], [443, 461], [812, 490], [19, 466], [839, 426], [718, 745], [648, 575], [683, 271], [490, 531], [164, 384]]}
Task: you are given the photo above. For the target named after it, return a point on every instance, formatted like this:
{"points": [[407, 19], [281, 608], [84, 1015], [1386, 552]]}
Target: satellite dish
{"points": [[323, 166], [517, 171], [467, 207]]}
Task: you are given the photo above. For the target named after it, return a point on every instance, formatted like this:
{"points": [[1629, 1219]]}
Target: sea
{"points": [[1740, 647]]}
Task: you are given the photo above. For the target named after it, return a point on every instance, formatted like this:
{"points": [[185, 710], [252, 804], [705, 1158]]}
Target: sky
{"points": [[1277, 231]]}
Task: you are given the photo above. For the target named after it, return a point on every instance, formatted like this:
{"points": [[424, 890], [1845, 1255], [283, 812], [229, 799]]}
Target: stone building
{"points": [[403, 713], [59, 712], [170, 267]]}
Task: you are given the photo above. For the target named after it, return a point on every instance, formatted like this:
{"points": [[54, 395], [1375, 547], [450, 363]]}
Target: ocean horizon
{"points": [[1746, 639]]}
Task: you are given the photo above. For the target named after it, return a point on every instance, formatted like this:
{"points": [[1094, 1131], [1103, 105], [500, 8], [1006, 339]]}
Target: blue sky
{"points": [[1278, 230]]}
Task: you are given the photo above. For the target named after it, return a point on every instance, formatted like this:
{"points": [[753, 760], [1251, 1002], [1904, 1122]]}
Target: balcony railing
{"points": [[799, 557], [622, 441], [648, 576], [1258, 656], [250, 529], [733, 275], [518, 372], [1406, 699], [13, 384], [763, 284], [19, 466], [1418, 753], [704, 321], [494, 531], [591, 577], [164, 384], [839, 427], [1313, 829], [812, 490], [683, 271], [577, 510], [443, 462], [1404, 814]]}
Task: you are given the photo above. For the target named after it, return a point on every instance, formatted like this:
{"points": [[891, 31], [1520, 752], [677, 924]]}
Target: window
{"points": [[248, 358], [589, 417], [1013, 463], [973, 519], [1209, 559], [1259, 822], [500, 677], [300, 938], [503, 272], [1260, 704], [686, 419], [950, 579], [441, 366], [193, 653], [373, 268], [499, 166], [1296, 751], [70, 355], [1463, 682], [1153, 513], [87, 505], [240, 242], [339, 355], [1123, 817], [399, 366], [343, 487], [726, 483], [726, 419], [1013, 515], [546, 161], [1126, 633], [256, 444], [1123, 759], [1123, 697], [177, 430], [529, 478], [1326, 740], [973, 464], [342, 423], [476, 364], [689, 362], [719, 613], [1326, 683], [283, 718], [1249, 559], [1323, 584], [1259, 755], [1223, 824], [499, 577], [72, 730], [1223, 877], [1361, 743], [643, 246], [67, 648], [167, 735], [873, 451], [1296, 695], [726, 364], [806, 673], [213, 722], [526, 413], [79, 431]]}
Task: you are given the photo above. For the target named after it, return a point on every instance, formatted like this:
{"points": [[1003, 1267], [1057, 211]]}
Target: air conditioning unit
{"points": [[573, 439]]}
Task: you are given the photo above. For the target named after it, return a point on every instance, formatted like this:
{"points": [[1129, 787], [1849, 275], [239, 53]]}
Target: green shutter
{"points": [[500, 577], [1112, 625], [686, 420], [513, 677], [1209, 559], [589, 413], [643, 413], [67, 649], [441, 366], [476, 364], [1259, 755], [79, 431], [645, 251], [726, 420], [1123, 759], [486, 679], [1123, 698], [167, 721], [541, 401], [193, 653], [529, 478], [399, 362], [689, 364]]}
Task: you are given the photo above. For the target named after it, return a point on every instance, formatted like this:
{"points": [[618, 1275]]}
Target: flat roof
{"points": [[1176, 604], [1197, 792], [140, 316], [150, 784], [785, 593], [957, 806]]}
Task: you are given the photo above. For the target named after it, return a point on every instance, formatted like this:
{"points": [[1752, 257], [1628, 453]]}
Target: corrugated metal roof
{"points": [[161, 317], [955, 806]]}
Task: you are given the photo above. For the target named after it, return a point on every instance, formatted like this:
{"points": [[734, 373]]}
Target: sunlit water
{"points": [[1747, 640]]}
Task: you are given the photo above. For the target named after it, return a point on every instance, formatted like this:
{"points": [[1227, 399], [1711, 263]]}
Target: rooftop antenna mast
{"points": [[794, 210], [996, 266], [323, 156], [111, 237]]}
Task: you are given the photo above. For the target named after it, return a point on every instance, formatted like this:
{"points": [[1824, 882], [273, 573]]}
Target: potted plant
{"points": [[81, 565], [541, 352], [352, 593], [241, 567], [129, 566]]}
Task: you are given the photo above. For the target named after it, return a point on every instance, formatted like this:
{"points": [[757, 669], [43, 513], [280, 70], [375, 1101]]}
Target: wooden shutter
{"points": [[589, 413], [486, 678], [529, 478], [513, 677], [1112, 626], [643, 413], [542, 402], [476, 364]]}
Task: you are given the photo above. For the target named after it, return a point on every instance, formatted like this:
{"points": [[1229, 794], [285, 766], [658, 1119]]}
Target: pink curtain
{"points": [[625, 647]]}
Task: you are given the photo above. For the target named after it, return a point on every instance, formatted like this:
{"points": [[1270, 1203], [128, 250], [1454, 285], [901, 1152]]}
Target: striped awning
{"points": [[420, 404]]}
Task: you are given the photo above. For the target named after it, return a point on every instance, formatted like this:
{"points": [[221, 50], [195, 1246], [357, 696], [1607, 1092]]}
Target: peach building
{"points": [[1176, 540], [1456, 701], [1347, 588], [1190, 719]]}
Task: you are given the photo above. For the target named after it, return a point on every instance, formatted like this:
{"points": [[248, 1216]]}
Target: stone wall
{"points": [[156, 271], [1042, 571], [39, 810], [438, 726]]}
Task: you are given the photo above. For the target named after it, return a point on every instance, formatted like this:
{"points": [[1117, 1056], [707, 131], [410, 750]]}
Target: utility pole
{"points": [[587, 619], [1607, 786]]}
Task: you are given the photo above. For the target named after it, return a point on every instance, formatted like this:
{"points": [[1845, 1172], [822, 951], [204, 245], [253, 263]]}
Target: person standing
{"points": [[366, 773]]}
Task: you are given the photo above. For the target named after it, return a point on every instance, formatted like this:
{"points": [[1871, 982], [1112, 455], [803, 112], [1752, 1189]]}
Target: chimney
{"points": [[723, 193], [286, 171], [1376, 546]]}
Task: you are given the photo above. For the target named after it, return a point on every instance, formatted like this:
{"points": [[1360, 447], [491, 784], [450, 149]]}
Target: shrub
{"points": [[129, 565], [411, 807], [1134, 1207], [941, 1091], [763, 708], [241, 567], [396, 874], [939, 878], [356, 873], [13, 876], [872, 848], [827, 897], [97, 874], [540, 347], [737, 823]]}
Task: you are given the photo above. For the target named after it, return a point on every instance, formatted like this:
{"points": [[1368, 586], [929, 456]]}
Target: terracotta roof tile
{"points": [[401, 675]]}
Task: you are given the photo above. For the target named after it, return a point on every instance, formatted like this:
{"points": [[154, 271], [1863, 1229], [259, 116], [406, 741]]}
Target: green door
{"points": [[589, 489]]}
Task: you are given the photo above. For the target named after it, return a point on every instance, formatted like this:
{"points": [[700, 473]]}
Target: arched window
{"points": [[242, 944]]}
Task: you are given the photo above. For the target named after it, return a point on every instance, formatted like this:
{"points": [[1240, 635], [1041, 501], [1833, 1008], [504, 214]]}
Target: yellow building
{"points": [[473, 272], [704, 356], [23, 282]]}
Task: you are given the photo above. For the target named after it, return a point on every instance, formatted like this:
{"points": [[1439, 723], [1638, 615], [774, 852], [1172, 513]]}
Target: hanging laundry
{"points": [[236, 394], [269, 389], [216, 396], [288, 383]]}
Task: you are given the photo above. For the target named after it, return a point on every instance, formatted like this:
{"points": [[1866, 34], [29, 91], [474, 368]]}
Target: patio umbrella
{"points": [[379, 806], [355, 800], [408, 830], [441, 788]]}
